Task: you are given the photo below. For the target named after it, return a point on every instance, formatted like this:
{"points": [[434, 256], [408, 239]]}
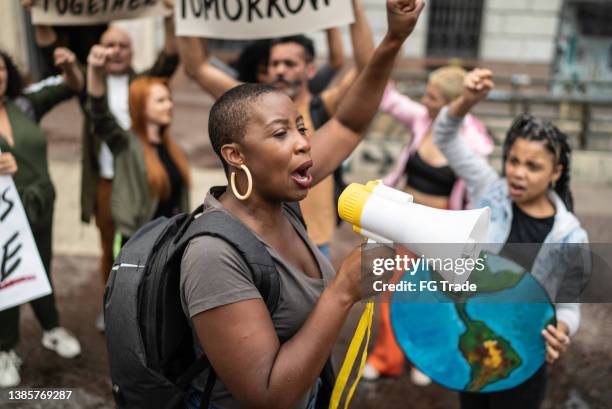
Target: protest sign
{"points": [[84, 12], [22, 274], [251, 19]]}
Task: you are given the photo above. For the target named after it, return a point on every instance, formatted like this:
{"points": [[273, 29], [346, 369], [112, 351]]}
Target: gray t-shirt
{"points": [[214, 274]]}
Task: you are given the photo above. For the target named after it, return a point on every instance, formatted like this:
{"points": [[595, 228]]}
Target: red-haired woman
{"points": [[152, 173]]}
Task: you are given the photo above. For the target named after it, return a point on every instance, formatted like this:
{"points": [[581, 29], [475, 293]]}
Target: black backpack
{"points": [[149, 340]]}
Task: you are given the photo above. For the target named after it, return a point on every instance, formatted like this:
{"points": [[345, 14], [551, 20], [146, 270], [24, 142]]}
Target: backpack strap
{"points": [[328, 380], [222, 225], [265, 276], [296, 211]]}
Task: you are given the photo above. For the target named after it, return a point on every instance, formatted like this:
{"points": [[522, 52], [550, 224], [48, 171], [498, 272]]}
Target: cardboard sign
{"points": [[251, 19], [84, 12], [22, 274]]}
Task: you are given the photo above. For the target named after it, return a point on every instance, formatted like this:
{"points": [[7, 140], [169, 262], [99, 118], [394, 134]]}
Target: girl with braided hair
{"points": [[530, 128], [530, 203]]}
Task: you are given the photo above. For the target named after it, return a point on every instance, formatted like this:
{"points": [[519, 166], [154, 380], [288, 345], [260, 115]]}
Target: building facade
{"points": [[568, 39]]}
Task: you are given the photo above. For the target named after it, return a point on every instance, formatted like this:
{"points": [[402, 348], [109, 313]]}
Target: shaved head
{"points": [[231, 114]]}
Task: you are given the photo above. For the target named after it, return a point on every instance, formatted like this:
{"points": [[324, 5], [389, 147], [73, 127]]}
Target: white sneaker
{"points": [[9, 369], [61, 341], [419, 378], [370, 373]]}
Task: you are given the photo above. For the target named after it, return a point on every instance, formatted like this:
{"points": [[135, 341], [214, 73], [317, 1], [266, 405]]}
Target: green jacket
{"points": [[32, 178], [132, 204], [164, 67]]}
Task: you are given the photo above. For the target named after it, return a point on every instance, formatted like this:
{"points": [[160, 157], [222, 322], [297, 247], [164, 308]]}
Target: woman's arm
{"points": [[104, 124], [239, 337], [240, 341], [400, 107], [48, 96], [66, 61], [473, 169], [340, 136]]}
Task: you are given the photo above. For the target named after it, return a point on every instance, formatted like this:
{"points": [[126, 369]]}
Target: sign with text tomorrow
{"points": [[85, 12], [22, 274], [252, 19]]}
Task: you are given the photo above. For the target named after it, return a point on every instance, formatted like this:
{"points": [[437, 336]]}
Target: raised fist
{"points": [[63, 58], [477, 85], [98, 56], [27, 4], [402, 16]]}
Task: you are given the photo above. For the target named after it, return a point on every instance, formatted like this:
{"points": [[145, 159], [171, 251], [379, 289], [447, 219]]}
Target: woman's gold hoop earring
{"points": [[250, 183]]}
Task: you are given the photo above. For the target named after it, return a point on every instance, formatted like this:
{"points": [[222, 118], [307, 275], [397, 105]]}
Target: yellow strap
{"points": [[363, 331], [364, 355]]}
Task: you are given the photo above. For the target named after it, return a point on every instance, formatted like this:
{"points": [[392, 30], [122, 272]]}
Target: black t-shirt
{"points": [[529, 232], [172, 204]]}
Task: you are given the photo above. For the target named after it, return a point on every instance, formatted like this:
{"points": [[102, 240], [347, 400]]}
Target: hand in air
{"points": [[402, 16], [477, 85]]}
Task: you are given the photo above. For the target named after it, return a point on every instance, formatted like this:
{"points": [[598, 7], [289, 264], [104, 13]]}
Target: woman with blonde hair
{"points": [[428, 178], [152, 173]]}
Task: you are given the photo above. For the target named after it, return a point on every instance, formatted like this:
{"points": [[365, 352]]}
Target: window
{"points": [[454, 28], [594, 18]]}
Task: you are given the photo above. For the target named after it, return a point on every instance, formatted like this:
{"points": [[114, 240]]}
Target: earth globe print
{"points": [[485, 341]]}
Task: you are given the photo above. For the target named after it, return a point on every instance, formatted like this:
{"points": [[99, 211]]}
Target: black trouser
{"points": [[44, 307], [528, 395]]}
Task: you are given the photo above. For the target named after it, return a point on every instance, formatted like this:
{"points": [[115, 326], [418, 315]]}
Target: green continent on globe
{"points": [[489, 281], [491, 357]]}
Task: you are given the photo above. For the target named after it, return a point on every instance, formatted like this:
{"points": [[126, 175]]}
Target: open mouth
{"points": [[516, 189], [301, 176]]}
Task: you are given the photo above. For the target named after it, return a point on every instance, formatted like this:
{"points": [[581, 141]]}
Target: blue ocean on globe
{"points": [[498, 330]]}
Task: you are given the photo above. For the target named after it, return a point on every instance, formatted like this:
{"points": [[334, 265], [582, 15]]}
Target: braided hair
{"points": [[556, 142]]}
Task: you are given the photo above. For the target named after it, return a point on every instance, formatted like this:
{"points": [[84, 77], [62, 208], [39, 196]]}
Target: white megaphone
{"points": [[384, 215]]}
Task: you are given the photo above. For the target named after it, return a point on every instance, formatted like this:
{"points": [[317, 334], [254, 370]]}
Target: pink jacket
{"points": [[414, 116]]}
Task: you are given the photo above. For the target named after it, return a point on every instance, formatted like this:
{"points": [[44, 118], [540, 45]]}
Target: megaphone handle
{"points": [[373, 237]]}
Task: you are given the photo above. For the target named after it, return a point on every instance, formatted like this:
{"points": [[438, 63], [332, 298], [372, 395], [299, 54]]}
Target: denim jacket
{"points": [[487, 188]]}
